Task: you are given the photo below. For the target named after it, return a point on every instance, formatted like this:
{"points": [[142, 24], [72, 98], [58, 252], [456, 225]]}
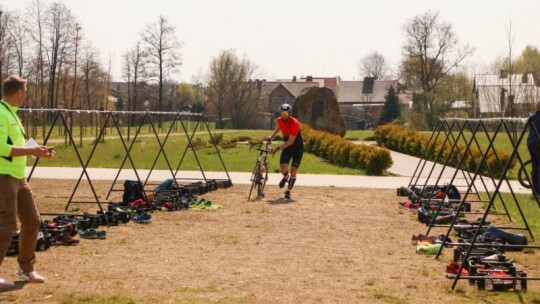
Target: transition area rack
{"points": [[113, 121], [456, 142]]}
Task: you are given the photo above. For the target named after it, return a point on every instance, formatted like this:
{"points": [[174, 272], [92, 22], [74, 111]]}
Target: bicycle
{"points": [[259, 176], [523, 177]]}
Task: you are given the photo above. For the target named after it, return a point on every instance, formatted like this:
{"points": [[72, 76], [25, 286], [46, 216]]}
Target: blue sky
{"points": [[298, 37]]}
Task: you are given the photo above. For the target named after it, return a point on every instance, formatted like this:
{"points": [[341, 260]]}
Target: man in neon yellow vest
{"points": [[16, 197]]}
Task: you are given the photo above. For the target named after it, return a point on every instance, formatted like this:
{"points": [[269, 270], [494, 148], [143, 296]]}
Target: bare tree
{"points": [[109, 78], [36, 11], [58, 24], [244, 96], [433, 44], [231, 86], [510, 107], [373, 65], [134, 73], [163, 53], [19, 37], [76, 44], [218, 80], [5, 43]]}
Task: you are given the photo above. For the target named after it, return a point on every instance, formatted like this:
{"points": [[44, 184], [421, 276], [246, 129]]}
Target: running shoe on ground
{"points": [[30, 277]]}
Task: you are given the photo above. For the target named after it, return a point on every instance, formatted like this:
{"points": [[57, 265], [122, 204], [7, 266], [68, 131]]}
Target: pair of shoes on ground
{"points": [[94, 234], [30, 277], [423, 238], [66, 239], [453, 269], [427, 248], [143, 218]]}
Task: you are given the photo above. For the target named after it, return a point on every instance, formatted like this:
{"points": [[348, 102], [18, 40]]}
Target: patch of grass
{"points": [[527, 204], [95, 299], [369, 282], [196, 289], [359, 134], [6, 298], [511, 297], [225, 239], [388, 298], [124, 241]]}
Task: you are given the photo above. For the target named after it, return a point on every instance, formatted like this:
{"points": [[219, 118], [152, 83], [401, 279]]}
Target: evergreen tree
{"points": [[390, 110]]}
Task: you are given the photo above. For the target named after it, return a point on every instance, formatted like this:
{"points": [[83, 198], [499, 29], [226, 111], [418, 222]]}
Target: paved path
{"points": [[402, 169]]}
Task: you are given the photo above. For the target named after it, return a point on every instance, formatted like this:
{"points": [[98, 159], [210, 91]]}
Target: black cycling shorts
{"points": [[295, 152]]}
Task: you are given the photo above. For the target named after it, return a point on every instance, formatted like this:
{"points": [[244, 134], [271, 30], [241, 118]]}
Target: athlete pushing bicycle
{"points": [[293, 148]]}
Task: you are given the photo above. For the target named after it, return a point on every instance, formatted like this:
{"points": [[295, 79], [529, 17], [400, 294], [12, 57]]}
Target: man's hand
{"points": [[273, 151], [42, 151], [269, 138]]}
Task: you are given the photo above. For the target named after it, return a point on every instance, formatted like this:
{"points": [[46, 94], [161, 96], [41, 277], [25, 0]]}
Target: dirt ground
{"points": [[328, 245]]}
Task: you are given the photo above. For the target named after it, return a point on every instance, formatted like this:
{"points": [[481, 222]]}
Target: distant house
{"points": [[492, 92], [366, 97], [326, 82], [369, 91], [276, 93]]}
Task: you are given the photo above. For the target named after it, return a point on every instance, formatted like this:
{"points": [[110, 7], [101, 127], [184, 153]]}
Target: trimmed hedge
{"points": [[411, 142], [340, 151]]}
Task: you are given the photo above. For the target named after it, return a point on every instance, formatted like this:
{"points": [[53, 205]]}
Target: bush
{"points": [[227, 144], [411, 142], [242, 138], [218, 138], [342, 152], [198, 143]]}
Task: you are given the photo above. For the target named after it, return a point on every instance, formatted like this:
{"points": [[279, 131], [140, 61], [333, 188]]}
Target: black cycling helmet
{"points": [[285, 108]]}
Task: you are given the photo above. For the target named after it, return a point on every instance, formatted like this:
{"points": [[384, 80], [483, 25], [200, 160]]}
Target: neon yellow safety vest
{"points": [[11, 134]]}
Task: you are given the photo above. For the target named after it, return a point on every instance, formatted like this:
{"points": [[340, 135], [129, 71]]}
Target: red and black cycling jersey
{"points": [[291, 127]]}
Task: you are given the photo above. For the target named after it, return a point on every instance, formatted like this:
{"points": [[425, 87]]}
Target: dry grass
{"points": [[329, 245]]}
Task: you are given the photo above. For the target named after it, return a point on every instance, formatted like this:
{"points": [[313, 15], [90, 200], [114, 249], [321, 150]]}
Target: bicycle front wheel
{"points": [[255, 178], [263, 178], [524, 174]]}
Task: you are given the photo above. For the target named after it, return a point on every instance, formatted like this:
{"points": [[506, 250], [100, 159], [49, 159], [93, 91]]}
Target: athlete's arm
{"points": [[271, 137], [288, 142]]}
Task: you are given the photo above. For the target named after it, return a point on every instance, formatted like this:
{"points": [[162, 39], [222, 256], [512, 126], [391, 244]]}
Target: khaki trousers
{"points": [[17, 200]]}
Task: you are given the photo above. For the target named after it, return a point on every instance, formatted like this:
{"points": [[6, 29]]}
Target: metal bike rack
{"points": [[497, 189], [60, 114], [190, 145]]}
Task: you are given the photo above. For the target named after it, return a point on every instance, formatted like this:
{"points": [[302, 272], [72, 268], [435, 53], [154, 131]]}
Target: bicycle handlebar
{"points": [[268, 148]]}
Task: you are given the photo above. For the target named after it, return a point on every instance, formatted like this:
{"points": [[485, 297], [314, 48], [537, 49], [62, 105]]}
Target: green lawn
{"points": [[59, 131], [529, 207], [109, 154], [359, 134]]}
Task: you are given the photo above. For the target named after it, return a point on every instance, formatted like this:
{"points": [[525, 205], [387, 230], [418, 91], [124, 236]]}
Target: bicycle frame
{"points": [[259, 175]]}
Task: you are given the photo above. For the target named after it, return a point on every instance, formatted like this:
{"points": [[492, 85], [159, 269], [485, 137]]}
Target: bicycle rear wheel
{"points": [[524, 174]]}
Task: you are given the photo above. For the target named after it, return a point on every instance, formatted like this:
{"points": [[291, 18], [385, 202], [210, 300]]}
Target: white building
{"points": [[492, 91]]}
